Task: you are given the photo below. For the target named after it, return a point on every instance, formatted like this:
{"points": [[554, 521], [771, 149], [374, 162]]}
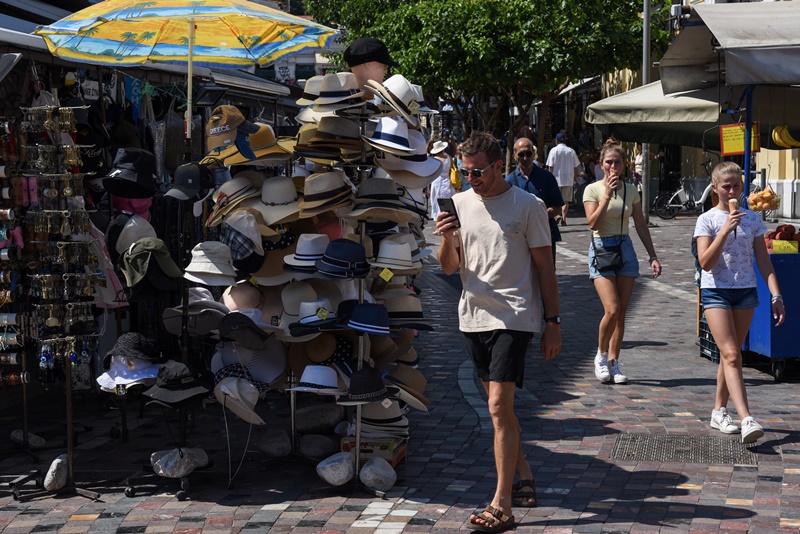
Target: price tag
{"points": [[322, 313], [253, 281], [386, 403], [386, 274]]}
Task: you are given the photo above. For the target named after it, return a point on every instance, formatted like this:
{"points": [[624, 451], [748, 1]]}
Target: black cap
{"points": [[189, 180], [368, 49], [132, 175]]}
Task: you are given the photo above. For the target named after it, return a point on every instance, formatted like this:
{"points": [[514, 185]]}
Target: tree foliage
{"points": [[515, 51]]}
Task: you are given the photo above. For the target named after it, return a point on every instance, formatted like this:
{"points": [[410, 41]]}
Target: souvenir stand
{"points": [[304, 313]]}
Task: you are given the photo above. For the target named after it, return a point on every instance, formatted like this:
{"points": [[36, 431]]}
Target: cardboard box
{"points": [[780, 246], [393, 450]]}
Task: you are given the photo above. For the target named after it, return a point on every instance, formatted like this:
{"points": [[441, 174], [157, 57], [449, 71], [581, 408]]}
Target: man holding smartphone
{"points": [[503, 253]]}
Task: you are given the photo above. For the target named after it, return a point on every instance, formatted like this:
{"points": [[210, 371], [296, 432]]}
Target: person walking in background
{"points": [[441, 187], [609, 203], [728, 241], [464, 183], [563, 162], [538, 181], [502, 251]]}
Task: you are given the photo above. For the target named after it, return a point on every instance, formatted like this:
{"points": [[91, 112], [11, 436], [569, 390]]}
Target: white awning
{"points": [[734, 44]]}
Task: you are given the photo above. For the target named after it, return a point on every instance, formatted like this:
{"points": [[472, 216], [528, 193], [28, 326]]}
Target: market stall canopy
{"points": [[691, 118], [734, 44]]}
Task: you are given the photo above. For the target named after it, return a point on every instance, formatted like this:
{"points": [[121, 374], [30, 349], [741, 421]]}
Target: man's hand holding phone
{"points": [[447, 220]]}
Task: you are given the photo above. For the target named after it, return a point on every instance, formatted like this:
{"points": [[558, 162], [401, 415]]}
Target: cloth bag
{"points": [[610, 258]]}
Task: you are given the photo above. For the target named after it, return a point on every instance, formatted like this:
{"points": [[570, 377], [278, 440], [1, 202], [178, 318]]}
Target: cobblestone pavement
{"points": [[570, 423]]}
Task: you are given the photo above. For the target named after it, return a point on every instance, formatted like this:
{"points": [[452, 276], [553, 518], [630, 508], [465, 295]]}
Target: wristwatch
{"points": [[555, 319]]}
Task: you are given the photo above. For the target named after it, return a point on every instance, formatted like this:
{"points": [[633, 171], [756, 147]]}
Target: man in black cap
{"points": [[369, 59]]}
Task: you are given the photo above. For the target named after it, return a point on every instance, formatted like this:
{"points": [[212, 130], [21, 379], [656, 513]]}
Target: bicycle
{"points": [[668, 205]]}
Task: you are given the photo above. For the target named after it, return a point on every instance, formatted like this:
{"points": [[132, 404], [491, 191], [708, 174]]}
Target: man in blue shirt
{"points": [[538, 181]]}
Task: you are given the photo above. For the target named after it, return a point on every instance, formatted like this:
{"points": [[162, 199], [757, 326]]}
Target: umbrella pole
{"points": [[187, 124]]}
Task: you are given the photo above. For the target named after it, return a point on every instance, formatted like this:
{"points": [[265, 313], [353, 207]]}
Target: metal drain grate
{"points": [[687, 449]]}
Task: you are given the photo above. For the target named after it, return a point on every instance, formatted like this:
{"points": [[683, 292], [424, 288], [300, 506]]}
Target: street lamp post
{"points": [[645, 81]]}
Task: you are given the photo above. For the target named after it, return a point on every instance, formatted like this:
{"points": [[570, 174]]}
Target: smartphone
{"points": [[447, 204]]}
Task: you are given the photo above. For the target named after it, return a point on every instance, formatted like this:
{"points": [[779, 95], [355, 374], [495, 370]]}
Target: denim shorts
{"points": [[630, 263], [729, 298]]}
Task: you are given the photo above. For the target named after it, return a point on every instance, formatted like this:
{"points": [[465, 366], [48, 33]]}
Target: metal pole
{"points": [[748, 138], [645, 81]]}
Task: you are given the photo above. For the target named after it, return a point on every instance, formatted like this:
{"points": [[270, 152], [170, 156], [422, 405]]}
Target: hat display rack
{"points": [[49, 268]]}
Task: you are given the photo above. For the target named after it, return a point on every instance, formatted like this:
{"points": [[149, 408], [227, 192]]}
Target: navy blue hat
{"points": [[343, 259], [560, 137], [370, 318]]}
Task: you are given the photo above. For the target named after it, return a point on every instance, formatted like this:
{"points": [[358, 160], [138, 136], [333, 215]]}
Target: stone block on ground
{"points": [[378, 474], [338, 469]]}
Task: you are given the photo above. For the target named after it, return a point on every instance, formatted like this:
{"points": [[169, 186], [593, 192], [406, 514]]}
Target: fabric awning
{"points": [[734, 44], [690, 118]]}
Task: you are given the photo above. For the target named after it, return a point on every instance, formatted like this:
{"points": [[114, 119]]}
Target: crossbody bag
{"points": [[610, 258]]}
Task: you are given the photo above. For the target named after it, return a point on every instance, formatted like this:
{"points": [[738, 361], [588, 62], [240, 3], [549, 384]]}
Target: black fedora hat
{"points": [[133, 174], [175, 383], [366, 385], [370, 318]]}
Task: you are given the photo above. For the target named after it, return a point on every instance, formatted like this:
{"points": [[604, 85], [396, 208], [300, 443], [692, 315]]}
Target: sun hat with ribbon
{"points": [[310, 90], [365, 386], [310, 115], [343, 259], [175, 383], [409, 380], [377, 199], [292, 295], [310, 248], [245, 185], [338, 87], [204, 314], [319, 379], [240, 397], [416, 170], [396, 256], [324, 188], [211, 265], [390, 135], [336, 132], [405, 311], [279, 202], [383, 414], [420, 97], [400, 95]]}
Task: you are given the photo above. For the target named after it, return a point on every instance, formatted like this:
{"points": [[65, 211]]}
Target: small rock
{"points": [[318, 418], [34, 442], [317, 446], [338, 469], [177, 463], [378, 474], [276, 444], [56, 477]]}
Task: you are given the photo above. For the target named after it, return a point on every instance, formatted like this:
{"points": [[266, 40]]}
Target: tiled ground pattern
{"points": [[569, 423]]}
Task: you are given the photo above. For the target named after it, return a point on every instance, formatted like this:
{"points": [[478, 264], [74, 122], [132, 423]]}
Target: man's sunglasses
{"points": [[525, 154], [476, 173]]}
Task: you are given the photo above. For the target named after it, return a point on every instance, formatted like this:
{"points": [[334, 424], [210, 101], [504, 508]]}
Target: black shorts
{"points": [[499, 355]]}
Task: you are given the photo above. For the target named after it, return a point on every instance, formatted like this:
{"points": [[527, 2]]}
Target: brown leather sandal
{"points": [[521, 498], [496, 520]]}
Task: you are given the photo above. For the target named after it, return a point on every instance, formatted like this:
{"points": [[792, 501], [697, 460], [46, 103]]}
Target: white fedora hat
{"points": [[400, 95], [320, 379], [391, 135], [279, 202], [239, 396]]}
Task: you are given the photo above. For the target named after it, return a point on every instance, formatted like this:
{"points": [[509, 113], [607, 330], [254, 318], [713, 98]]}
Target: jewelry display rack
{"points": [[62, 272]]}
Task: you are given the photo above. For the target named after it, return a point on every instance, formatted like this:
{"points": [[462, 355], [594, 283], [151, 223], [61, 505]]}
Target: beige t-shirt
{"points": [[595, 191], [501, 287]]}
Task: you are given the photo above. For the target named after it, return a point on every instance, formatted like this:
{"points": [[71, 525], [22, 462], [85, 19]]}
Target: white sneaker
{"points": [[601, 366], [616, 374], [751, 431], [721, 420]]}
